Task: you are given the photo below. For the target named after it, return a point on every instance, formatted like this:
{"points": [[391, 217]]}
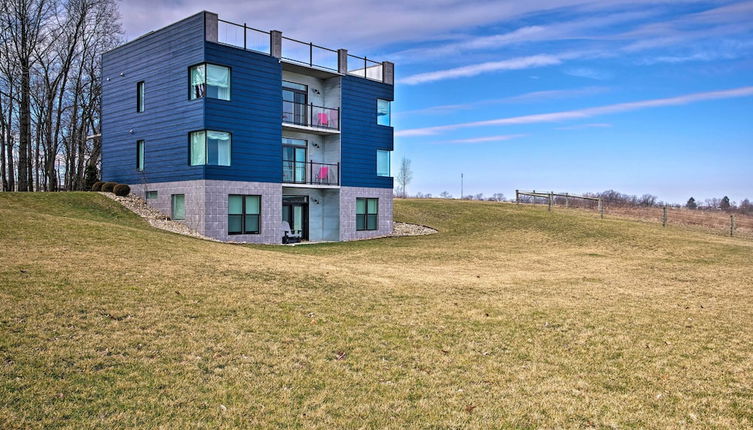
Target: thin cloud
{"points": [[589, 125], [486, 139], [585, 113], [530, 97], [477, 69]]}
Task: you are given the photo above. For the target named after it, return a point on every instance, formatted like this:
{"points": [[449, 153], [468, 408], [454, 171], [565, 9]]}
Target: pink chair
{"points": [[323, 174], [323, 119]]}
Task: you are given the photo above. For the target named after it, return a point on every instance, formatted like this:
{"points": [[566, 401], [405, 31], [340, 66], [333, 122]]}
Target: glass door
{"points": [[294, 161], [294, 103], [295, 213]]}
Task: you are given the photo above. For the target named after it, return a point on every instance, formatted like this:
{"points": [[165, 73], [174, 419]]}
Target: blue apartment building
{"points": [[250, 136]]}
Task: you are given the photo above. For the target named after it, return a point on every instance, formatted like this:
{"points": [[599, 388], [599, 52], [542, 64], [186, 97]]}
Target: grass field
{"points": [[509, 317]]}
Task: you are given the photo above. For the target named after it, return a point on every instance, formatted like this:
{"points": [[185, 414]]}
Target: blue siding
{"points": [[253, 115], [361, 135], [160, 59]]}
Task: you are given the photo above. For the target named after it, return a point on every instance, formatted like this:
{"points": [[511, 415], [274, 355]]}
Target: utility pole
{"points": [[461, 186]]}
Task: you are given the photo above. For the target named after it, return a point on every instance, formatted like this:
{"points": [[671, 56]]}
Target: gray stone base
{"points": [[332, 212]]}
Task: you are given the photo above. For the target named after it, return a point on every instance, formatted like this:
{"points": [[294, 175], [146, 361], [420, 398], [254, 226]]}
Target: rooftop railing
{"points": [[298, 52]]}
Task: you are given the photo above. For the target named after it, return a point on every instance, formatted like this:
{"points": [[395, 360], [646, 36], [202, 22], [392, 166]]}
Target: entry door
{"points": [[295, 213], [294, 161]]}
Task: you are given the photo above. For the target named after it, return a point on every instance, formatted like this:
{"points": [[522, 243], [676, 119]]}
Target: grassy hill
{"points": [[509, 317]]}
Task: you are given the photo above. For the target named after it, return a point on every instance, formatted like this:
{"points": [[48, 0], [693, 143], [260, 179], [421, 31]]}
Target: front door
{"points": [[295, 213]]}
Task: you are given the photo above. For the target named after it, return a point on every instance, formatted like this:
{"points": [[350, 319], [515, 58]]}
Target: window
{"points": [[140, 155], [150, 195], [243, 213], [210, 148], [140, 96], [294, 103], [294, 160], [366, 214], [209, 80], [383, 162], [178, 207], [384, 108]]}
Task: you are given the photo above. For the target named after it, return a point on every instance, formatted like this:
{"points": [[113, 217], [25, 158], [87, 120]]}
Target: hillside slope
{"points": [[509, 317]]}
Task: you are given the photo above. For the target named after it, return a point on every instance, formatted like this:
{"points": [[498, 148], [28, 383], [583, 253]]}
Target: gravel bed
{"points": [[406, 229], [154, 217]]}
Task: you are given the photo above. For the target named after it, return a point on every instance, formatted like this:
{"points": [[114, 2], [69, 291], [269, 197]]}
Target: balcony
{"points": [[310, 117], [310, 173]]}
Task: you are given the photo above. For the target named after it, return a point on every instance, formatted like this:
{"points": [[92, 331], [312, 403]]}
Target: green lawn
{"points": [[509, 317]]}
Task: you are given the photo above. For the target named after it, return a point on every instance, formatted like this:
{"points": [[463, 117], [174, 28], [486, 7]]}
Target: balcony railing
{"points": [[310, 172], [310, 115]]}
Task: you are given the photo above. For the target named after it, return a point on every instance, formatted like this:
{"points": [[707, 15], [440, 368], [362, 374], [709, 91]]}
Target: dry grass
{"points": [[509, 317]]}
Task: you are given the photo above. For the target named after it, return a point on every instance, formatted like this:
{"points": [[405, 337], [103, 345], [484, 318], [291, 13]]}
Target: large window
{"points": [[383, 162], [140, 155], [140, 96], [209, 80], [243, 213], [210, 148], [178, 207], [384, 109], [366, 214]]}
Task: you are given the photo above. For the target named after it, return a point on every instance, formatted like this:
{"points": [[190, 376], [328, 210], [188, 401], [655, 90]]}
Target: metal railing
{"points": [[310, 172], [243, 36], [309, 54], [365, 68], [310, 115]]}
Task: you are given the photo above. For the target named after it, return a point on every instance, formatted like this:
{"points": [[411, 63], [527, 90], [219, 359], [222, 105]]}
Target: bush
{"points": [[97, 186], [108, 186], [121, 190]]}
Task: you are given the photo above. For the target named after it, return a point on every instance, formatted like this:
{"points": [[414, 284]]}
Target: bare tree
{"points": [[404, 176], [445, 195]]}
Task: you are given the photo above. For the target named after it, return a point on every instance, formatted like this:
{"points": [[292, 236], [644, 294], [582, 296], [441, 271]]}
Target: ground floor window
{"points": [[151, 195], [366, 213], [243, 214], [178, 206]]}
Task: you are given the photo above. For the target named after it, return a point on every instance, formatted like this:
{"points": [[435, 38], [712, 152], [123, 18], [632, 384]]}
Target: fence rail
{"points": [[716, 221], [243, 36]]}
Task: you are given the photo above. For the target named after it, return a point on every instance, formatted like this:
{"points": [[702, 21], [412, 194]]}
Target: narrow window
{"points": [[211, 148], [383, 162], [209, 80], [366, 214], [140, 155], [151, 195], [243, 213], [140, 96], [178, 206], [384, 109]]}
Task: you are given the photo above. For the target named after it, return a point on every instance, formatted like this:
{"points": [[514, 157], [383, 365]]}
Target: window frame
{"points": [[140, 106], [140, 154], [389, 163], [389, 112], [206, 151], [206, 74], [172, 207], [366, 214], [244, 214], [153, 195]]}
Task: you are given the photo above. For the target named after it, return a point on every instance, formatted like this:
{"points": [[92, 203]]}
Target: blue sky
{"points": [[565, 95]]}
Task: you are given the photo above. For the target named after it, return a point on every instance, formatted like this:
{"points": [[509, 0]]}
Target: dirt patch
{"points": [[406, 229]]}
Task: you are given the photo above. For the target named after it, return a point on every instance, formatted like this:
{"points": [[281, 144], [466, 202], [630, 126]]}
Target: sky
{"points": [[559, 95]]}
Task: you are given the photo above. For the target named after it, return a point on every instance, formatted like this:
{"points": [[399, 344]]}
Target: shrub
{"points": [[108, 186], [121, 190], [97, 186]]}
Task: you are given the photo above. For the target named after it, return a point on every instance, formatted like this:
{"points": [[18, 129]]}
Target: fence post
{"points": [[550, 201], [601, 209], [275, 43], [517, 197], [731, 225], [664, 216], [567, 200], [244, 35]]}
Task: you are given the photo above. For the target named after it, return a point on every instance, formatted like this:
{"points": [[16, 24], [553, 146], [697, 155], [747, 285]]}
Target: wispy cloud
{"points": [[485, 139], [530, 97], [589, 73], [582, 126], [477, 69], [585, 113]]}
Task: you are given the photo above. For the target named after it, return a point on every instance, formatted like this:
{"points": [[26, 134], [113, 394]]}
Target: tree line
{"points": [[51, 89]]}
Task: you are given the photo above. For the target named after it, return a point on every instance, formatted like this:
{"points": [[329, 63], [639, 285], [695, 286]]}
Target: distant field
{"points": [[510, 316]]}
